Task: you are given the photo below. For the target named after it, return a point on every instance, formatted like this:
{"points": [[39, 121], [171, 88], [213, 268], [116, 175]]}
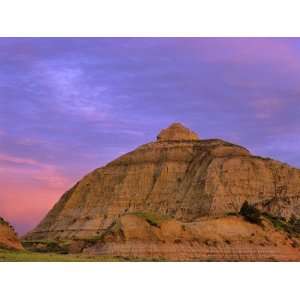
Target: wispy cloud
{"points": [[70, 91], [33, 171], [267, 108], [68, 106], [28, 189]]}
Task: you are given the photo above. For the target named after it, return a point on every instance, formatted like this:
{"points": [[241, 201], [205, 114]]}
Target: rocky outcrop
{"points": [[177, 132], [177, 176], [228, 238], [8, 237]]}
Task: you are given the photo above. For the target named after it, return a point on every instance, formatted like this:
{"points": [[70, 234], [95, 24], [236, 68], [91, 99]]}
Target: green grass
{"points": [[290, 227], [27, 256], [47, 246], [281, 224], [152, 218]]}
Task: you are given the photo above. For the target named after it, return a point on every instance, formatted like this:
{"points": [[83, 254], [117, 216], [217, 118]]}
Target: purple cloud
{"points": [[72, 104]]}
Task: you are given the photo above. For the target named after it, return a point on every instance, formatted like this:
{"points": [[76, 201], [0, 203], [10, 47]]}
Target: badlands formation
{"points": [[8, 237], [178, 198]]}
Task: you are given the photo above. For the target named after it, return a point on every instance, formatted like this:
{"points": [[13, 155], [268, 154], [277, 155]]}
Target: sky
{"points": [[70, 105]]}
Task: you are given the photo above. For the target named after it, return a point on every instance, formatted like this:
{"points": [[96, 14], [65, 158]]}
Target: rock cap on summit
{"points": [[177, 132]]}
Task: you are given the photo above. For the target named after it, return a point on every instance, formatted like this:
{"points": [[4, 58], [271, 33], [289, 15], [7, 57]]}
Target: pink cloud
{"points": [[28, 189], [249, 51], [14, 159], [26, 204], [266, 108]]}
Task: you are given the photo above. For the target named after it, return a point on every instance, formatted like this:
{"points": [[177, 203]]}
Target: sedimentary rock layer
{"points": [[228, 238], [178, 176], [8, 237]]}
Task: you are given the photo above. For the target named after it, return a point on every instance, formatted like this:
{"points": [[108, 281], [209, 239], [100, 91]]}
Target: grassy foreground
{"points": [[27, 256]]}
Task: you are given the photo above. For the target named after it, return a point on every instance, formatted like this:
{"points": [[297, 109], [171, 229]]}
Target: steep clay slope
{"points": [[8, 237], [228, 238], [178, 176]]}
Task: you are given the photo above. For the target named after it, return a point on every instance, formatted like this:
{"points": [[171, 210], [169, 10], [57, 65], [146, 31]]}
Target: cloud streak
{"points": [[69, 105]]}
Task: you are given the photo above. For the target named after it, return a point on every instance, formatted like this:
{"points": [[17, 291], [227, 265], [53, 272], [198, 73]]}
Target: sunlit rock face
{"points": [[225, 238], [8, 237], [177, 132], [178, 176]]}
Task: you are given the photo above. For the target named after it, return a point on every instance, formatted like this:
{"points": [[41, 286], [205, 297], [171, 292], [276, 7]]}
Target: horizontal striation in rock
{"points": [[183, 179]]}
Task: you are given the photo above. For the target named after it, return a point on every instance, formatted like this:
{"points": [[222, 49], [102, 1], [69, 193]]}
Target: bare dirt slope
{"points": [[229, 238], [8, 237], [177, 176]]}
